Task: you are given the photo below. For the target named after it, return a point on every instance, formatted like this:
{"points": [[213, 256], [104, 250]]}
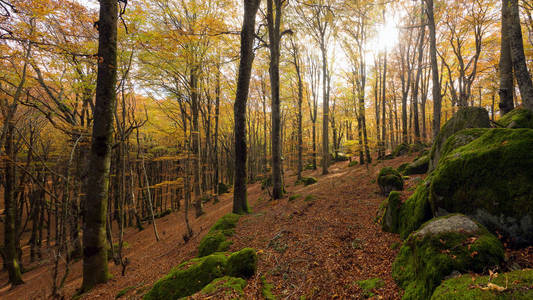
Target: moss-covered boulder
{"points": [[242, 264], [391, 212], [512, 285], [415, 211], [307, 181], [460, 139], [517, 118], [188, 278], [216, 239], [439, 247], [491, 180], [226, 287], [402, 167], [197, 274], [419, 166], [389, 180], [468, 117], [400, 150]]}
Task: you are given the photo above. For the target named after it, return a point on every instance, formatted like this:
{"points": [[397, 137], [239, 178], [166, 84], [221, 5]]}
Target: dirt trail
{"points": [[317, 245]]}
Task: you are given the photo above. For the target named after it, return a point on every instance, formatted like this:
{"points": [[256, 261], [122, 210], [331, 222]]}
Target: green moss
{"points": [[226, 223], [402, 167], [195, 274], [517, 118], [216, 238], [389, 180], [353, 163], [460, 139], [294, 197], [425, 259], [307, 181], [419, 166], [401, 149], [266, 182], [391, 212], [518, 286], [468, 117], [370, 285], [415, 211], [490, 178], [267, 289], [185, 281], [227, 285], [309, 198], [243, 263], [124, 291]]}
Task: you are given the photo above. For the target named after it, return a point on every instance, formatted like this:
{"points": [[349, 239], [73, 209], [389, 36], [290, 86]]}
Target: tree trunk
{"points": [[273, 20], [240, 204], [94, 230], [195, 134], [437, 97], [521, 73], [10, 232]]}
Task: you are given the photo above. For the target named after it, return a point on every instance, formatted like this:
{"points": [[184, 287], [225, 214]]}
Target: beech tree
{"points": [[94, 228]]}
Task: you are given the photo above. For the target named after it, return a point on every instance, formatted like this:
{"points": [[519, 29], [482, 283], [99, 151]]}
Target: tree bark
{"points": [[525, 85], [437, 97], [506, 63], [94, 231], [240, 204], [273, 20]]}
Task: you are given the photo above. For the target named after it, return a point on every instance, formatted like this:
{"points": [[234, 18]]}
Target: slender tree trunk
{"points": [[434, 68], [215, 137], [525, 85], [325, 111], [240, 204], [94, 230], [10, 232], [195, 134], [273, 20]]}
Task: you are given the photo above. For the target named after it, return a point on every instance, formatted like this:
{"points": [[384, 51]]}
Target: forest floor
{"points": [[316, 242]]}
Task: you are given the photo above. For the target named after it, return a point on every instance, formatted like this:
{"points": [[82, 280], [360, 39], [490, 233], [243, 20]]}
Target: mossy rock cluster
{"points": [[468, 117], [390, 212], [440, 247], [266, 182], [401, 149], [516, 285], [419, 166], [389, 180], [517, 118], [216, 239], [414, 211], [224, 287], [307, 181], [490, 179], [353, 163], [193, 275]]}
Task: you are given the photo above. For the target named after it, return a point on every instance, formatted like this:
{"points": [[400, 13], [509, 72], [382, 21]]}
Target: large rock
{"points": [[441, 247], [512, 285], [490, 179], [517, 118], [193, 275], [390, 212], [468, 117], [389, 180], [419, 166], [415, 211]]}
